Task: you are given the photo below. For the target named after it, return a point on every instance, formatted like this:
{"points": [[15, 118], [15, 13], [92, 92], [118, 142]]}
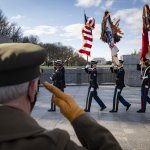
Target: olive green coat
{"points": [[19, 131]]}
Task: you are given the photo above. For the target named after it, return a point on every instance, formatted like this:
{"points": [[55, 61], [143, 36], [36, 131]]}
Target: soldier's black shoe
{"points": [[86, 110], [128, 107], [112, 111], [140, 111], [103, 108], [51, 110]]}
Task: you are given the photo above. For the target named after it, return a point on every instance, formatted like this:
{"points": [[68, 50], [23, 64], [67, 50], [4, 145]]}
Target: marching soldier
{"points": [[58, 79], [63, 74], [92, 91], [41, 71], [145, 86], [119, 71]]}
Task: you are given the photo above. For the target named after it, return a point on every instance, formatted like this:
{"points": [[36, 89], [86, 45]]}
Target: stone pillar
{"points": [[132, 75]]}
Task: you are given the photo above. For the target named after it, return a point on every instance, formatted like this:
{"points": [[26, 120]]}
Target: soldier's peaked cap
{"points": [[20, 62], [121, 61], [93, 62], [58, 62]]}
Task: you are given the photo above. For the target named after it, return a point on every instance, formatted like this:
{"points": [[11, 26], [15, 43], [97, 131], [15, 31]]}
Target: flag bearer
{"points": [[145, 87], [92, 93], [119, 71]]}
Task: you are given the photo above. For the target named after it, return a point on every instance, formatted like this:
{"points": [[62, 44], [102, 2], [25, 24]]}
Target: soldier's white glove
{"points": [[87, 66], [146, 86], [92, 89], [146, 77], [118, 90]]}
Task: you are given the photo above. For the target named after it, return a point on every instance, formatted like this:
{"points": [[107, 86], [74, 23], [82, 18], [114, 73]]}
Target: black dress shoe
{"points": [[86, 110], [51, 110], [103, 108], [140, 111], [128, 107], [112, 111]]}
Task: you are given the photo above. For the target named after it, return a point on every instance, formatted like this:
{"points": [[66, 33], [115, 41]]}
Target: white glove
{"points": [[146, 77], [92, 89], [118, 90], [146, 86], [87, 66]]}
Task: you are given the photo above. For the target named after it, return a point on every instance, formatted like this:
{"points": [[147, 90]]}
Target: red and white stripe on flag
{"points": [[87, 41]]}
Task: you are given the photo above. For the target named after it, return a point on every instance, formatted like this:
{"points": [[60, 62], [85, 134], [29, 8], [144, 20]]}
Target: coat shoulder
{"points": [[55, 140]]}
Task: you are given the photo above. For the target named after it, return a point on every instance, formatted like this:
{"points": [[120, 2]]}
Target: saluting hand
{"points": [[65, 102]]}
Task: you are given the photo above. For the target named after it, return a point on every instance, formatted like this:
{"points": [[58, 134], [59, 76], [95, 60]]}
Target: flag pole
{"points": [[87, 59], [89, 88]]}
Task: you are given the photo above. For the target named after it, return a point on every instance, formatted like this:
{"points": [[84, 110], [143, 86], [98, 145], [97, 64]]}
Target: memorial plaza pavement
{"points": [[131, 129]]}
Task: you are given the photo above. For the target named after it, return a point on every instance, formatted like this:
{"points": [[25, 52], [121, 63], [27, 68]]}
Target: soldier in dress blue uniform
{"points": [[58, 79], [63, 74], [92, 91], [145, 86], [119, 71]]}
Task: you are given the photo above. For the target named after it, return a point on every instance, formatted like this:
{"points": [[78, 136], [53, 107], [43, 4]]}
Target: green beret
{"points": [[20, 62]]}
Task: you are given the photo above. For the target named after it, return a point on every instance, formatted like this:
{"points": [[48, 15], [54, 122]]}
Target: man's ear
{"points": [[32, 90]]}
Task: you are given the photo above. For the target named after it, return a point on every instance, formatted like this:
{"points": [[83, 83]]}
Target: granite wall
{"points": [[132, 75], [77, 76]]}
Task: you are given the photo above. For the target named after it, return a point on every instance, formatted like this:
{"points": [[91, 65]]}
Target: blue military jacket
{"points": [[58, 78], [120, 78], [93, 77], [146, 77]]}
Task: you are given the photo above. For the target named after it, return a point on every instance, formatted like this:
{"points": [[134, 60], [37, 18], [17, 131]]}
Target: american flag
{"points": [[87, 41], [87, 36]]}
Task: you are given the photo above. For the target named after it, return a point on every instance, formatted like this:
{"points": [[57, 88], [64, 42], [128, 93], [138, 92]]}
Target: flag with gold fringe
{"points": [[111, 34]]}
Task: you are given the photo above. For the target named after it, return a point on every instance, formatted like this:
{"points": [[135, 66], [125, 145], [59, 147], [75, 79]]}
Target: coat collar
{"points": [[16, 124]]}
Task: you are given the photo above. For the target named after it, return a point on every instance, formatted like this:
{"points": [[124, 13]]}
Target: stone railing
{"points": [[77, 76], [132, 75]]}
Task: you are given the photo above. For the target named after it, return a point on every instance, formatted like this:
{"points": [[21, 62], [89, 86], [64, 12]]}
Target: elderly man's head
{"points": [[19, 71]]}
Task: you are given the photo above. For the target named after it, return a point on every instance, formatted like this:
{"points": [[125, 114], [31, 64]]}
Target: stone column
{"points": [[132, 75]]}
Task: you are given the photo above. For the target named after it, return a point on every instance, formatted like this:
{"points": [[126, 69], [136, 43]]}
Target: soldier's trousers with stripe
{"points": [[90, 95], [118, 97], [144, 98]]}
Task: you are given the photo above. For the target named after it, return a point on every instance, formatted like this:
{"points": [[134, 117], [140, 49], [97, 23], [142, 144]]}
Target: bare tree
{"points": [[33, 39], [3, 23], [25, 39], [58, 51], [16, 34], [9, 29]]}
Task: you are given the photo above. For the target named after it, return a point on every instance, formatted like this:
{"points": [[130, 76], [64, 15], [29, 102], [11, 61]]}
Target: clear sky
{"points": [[62, 20]]}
